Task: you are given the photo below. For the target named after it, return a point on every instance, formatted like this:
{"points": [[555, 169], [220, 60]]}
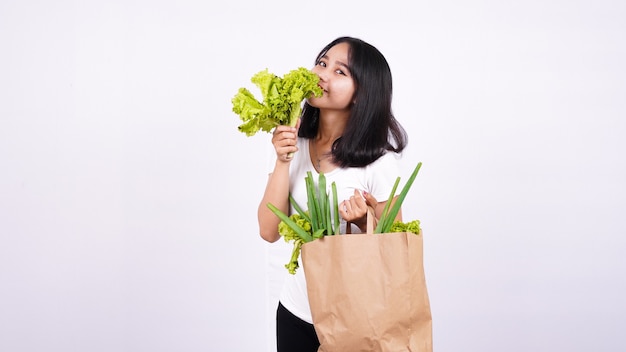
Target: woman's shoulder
{"points": [[388, 159], [387, 166]]}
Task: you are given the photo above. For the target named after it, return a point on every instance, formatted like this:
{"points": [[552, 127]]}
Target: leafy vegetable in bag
{"points": [[411, 226], [282, 100], [306, 226]]}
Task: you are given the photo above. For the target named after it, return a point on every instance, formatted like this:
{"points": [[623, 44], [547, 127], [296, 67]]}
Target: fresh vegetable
{"points": [[411, 226], [317, 221], [389, 214], [305, 226], [302, 233], [292, 234], [319, 206], [282, 100]]}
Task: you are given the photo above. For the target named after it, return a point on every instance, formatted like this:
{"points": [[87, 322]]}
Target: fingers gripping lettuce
{"points": [[282, 100]]}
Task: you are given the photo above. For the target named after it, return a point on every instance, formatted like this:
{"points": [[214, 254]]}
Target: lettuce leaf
{"points": [[282, 100]]}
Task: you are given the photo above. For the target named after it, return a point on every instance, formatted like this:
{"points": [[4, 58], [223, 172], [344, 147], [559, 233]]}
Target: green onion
{"points": [[299, 209], [305, 236], [387, 218], [312, 202], [336, 209], [388, 203]]}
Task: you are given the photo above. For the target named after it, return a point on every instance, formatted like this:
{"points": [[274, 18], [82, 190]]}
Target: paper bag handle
{"points": [[371, 222]]}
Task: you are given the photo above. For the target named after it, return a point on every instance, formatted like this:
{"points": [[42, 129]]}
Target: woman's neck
{"points": [[331, 127]]}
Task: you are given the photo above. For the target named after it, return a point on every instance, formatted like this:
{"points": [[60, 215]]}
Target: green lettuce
{"points": [[411, 226], [282, 100]]}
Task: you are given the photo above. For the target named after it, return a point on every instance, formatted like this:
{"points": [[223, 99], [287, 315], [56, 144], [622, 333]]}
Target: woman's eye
{"points": [[322, 63], [340, 72]]}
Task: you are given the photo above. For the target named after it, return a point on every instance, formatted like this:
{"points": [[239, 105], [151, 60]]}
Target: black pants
{"points": [[294, 334]]}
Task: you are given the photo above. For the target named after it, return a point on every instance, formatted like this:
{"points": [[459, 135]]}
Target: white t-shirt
{"points": [[377, 179]]}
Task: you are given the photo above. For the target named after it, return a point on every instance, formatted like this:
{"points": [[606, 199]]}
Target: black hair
{"points": [[372, 129]]}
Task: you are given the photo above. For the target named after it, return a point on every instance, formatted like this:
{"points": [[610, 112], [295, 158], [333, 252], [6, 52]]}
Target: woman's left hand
{"points": [[354, 210]]}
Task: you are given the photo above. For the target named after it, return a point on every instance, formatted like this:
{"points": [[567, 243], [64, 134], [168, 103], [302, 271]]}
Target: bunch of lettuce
{"points": [[282, 100], [306, 226], [411, 226]]}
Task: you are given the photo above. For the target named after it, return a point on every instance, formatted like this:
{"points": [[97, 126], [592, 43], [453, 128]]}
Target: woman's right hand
{"points": [[284, 140]]}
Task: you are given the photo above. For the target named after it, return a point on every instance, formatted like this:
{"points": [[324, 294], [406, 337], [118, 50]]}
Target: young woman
{"points": [[351, 136]]}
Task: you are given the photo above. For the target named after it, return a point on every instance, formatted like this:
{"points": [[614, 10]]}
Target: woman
{"points": [[351, 136]]}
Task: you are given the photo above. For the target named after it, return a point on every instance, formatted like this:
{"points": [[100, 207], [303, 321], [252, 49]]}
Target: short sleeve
{"points": [[382, 174]]}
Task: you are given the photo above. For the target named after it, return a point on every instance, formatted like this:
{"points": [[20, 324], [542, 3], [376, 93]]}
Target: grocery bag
{"points": [[367, 292]]}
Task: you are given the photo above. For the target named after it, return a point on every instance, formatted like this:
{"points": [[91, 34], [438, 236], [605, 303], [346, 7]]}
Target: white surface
{"points": [[128, 199]]}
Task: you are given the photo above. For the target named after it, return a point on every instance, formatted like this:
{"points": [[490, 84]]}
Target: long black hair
{"points": [[372, 129]]}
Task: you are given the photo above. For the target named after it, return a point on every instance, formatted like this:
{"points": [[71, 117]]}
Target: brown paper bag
{"points": [[367, 292]]}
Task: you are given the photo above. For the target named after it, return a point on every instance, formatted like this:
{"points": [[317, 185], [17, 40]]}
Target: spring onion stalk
{"points": [[305, 236], [336, 209], [321, 200], [392, 194], [310, 192], [299, 209], [387, 218]]}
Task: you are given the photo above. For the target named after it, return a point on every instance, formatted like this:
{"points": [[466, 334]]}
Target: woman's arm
{"points": [[277, 188], [277, 193]]}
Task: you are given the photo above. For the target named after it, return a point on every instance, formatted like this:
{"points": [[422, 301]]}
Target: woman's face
{"points": [[335, 79]]}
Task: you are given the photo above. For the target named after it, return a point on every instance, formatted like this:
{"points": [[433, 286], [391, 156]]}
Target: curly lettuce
{"points": [[411, 226], [290, 234], [282, 100]]}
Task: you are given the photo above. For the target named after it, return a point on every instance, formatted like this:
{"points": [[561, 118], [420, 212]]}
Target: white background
{"points": [[128, 197]]}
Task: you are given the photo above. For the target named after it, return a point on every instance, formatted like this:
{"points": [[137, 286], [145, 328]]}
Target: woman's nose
{"points": [[321, 74]]}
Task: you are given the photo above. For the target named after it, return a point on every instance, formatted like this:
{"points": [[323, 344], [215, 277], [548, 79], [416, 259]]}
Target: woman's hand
{"points": [[354, 209], [284, 140]]}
